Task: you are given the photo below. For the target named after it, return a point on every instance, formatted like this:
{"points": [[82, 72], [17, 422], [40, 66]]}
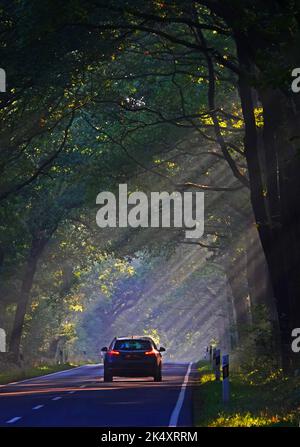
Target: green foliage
{"points": [[257, 352], [16, 374], [252, 404], [89, 107]]}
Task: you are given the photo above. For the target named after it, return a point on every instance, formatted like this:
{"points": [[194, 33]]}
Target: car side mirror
{"points": [[162, 349], [104, 349]]}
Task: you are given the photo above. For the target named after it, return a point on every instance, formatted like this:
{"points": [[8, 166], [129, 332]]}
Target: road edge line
{"points": [[176, 412]]}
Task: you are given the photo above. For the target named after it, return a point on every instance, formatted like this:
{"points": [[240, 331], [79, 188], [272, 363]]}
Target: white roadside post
{"points": [[225, 382], [2, 340], [2, 80], [206, 354], [217, 363], [210, 354], [213, 364]]}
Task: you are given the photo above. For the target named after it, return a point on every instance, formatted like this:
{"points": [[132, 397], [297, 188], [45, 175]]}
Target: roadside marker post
{"points": [[213, 359], [217, 363], [2, 80], [225, 382], [206, 355]]}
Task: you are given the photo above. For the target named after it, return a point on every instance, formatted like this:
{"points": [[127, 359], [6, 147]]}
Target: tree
{"points": [[125, 86], [273, 178]]}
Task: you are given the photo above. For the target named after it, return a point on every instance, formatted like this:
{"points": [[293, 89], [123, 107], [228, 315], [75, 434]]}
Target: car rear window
{"points": [[132, 345]]}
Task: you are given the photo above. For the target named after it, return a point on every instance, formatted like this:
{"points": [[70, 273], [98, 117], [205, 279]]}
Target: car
{"points": [[132, 357]]}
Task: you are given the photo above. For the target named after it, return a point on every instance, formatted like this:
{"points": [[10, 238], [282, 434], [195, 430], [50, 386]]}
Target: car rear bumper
{"points": [[130, 372], [131, 369]]}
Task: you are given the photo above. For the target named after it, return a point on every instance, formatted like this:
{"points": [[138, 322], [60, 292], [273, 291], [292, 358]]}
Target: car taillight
{"points": [[150, 352], [112, 352]]}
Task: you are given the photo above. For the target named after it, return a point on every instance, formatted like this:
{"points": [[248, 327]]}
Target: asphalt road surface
{"points": [[79, 398]]}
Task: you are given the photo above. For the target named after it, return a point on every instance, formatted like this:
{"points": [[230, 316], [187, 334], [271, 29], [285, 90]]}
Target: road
{"points": [[79, 398]]}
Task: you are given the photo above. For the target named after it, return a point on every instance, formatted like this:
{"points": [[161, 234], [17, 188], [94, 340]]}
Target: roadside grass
{"points": [[17, 374], [255, 401]]}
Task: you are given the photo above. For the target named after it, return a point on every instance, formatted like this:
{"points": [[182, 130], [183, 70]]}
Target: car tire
{"points": [[107, 377], [158, 376]]}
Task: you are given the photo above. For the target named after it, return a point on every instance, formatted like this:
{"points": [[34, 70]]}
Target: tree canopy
{"points": [[162, 95]]}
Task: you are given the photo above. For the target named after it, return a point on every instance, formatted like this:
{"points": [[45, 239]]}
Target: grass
{"points": [[255, 401], [14, 375]]}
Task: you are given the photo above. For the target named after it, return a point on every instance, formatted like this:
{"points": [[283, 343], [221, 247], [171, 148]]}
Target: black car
{"points": [[132, 357]]}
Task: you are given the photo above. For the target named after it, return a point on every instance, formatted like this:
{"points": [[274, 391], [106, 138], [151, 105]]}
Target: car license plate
{"points": [[131, 356]]}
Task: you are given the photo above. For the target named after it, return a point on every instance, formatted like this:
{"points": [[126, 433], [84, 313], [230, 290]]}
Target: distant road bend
{"points": [[79, 398]]}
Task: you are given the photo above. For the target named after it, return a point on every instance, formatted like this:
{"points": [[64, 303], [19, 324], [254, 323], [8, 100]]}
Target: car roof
{"points": [[134, 337]]}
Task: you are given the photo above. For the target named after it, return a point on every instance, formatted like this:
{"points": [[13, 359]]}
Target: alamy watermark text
{"points": [[165, 210]]}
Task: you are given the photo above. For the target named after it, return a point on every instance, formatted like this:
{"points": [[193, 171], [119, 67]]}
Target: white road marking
{"points": [[175, 413], [71, 392], [13, 420], [37, 407], [82, 386], [56, 398]]}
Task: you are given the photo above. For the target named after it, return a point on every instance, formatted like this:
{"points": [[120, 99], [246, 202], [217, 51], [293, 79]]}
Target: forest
{"points": [[161, 95]]}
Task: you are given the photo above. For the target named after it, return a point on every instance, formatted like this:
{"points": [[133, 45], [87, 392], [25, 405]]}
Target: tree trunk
{"points": [[258, 277], [36, 250], [235, 272], [275, 210], [260, 288], [289, 183]]}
